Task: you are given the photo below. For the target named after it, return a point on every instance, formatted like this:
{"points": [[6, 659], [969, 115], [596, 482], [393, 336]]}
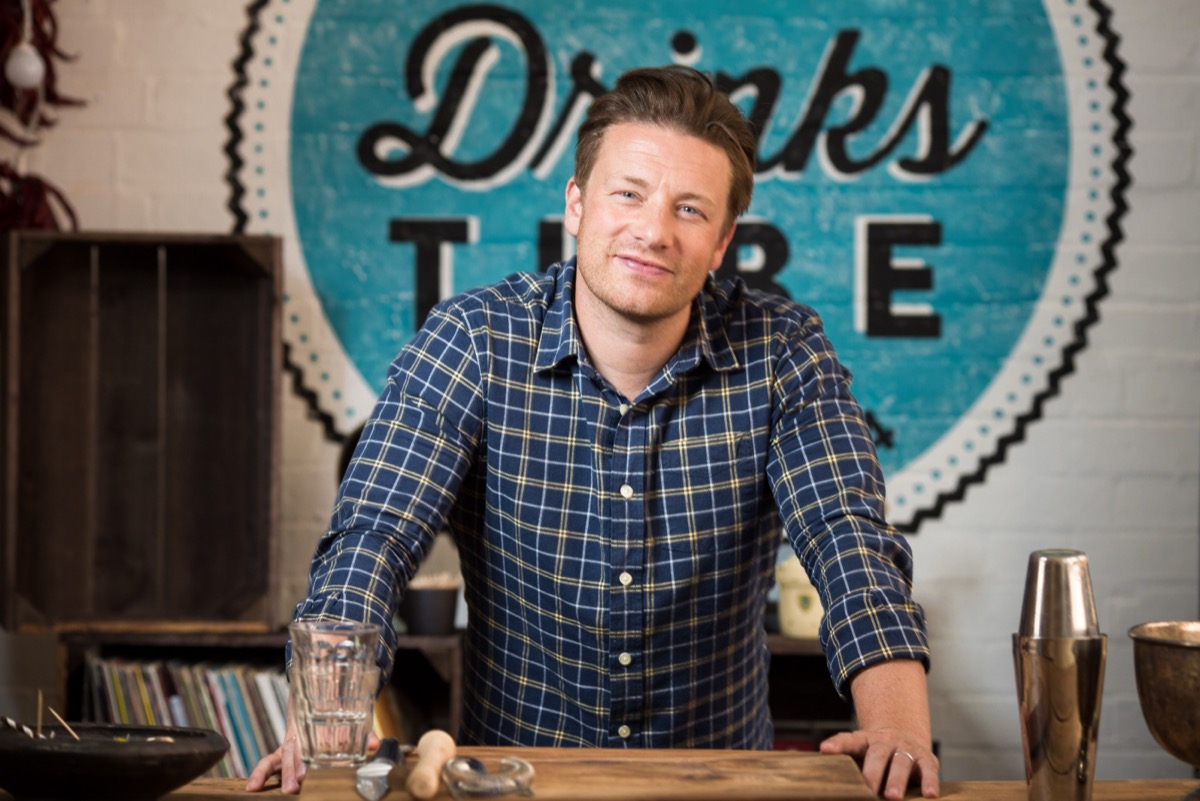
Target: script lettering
{"points": [[473, 27]]}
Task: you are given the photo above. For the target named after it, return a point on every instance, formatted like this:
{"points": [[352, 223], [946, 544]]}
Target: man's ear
{"points": [[573, 209], [719, 254]]}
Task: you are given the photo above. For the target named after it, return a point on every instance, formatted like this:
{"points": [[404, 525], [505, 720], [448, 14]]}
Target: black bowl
{"points": [[137, 763]]}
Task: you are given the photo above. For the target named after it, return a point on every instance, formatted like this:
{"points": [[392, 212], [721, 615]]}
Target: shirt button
{"points": [[624, 732], [626, 491], [625, 659], [625, 579], [623, 408]]}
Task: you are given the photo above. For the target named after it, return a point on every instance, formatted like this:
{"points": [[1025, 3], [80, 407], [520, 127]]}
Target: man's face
{"points": [[651, 223]]}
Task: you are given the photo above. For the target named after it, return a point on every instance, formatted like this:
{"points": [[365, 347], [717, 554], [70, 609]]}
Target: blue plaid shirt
{"points": [[617, 555]]}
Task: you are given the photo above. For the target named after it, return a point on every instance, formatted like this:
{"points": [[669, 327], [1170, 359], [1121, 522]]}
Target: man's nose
{"points": [[654, 223]]}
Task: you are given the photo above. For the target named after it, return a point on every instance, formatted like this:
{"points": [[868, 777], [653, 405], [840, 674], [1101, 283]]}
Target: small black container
{"points": [[429, 610]]}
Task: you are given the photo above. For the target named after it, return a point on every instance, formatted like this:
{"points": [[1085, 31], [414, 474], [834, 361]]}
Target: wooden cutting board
{"points": [[649, 775]]}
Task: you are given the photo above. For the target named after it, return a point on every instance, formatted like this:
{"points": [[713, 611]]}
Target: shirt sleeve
{"points": [[829, 486], [411, 459]]}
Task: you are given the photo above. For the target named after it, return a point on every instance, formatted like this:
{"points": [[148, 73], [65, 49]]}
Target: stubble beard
{"points": [[621, 301]]}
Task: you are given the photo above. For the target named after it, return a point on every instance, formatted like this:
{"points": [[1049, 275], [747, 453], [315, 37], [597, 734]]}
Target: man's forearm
{"points": [[893, 742], [893, 696]]}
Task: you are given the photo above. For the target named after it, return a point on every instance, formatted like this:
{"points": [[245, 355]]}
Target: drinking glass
{"points": [[334, 679]]}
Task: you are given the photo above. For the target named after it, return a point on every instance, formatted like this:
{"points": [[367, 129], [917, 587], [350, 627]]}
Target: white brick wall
{"points": [[1114, 468]]}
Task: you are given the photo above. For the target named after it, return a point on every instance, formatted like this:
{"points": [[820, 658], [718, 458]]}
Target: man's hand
{"points": [[284, 762], [893, 744]]}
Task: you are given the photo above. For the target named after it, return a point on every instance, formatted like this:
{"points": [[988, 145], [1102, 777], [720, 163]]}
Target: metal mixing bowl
{"points": [[1166, 661]]}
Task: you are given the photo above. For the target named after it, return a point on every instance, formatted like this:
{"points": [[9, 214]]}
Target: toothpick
{"points": [[39, 713], [63, 722]]}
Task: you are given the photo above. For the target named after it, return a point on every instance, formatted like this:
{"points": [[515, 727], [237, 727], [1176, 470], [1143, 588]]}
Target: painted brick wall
{"points": [[1113, 468]]}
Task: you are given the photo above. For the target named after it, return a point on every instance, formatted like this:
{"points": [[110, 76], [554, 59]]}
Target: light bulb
{"points": [[25, 68]]}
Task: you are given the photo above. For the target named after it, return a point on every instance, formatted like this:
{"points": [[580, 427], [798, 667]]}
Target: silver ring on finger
{"points": [[898, 752]]}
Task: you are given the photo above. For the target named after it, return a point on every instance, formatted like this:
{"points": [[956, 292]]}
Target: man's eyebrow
{"points": [[632, 179], [696, 196]]}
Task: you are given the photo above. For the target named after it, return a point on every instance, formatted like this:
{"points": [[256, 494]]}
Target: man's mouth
{"points": [[642, 266]]}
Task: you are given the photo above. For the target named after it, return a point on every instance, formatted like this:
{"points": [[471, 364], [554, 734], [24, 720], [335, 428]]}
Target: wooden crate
{"points": [[140, 431]]}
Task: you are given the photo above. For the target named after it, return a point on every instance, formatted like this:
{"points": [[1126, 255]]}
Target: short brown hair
{"points": [[678, 98]]}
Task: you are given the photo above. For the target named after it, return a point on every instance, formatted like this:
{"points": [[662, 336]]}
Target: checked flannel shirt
{"points": [[617, 553]]}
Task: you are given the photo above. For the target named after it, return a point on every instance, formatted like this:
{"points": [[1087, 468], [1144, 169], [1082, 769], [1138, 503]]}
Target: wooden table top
{"points": [[674, 775]]}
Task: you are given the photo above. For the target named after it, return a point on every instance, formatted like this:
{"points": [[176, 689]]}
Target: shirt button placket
{"points": [[627, 544]]}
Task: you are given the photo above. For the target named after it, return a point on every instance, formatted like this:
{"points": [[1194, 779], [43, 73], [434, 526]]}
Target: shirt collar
{"points": [[560, 339], [714, 302], [706, 338]]}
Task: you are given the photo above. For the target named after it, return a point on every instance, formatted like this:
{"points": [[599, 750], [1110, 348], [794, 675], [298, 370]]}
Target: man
{"points": [[615, 446]]}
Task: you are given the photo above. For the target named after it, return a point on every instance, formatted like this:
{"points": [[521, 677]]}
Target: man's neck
{"points": [[628, 353]]}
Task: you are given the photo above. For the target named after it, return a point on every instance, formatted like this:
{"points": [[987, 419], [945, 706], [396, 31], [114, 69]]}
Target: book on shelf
{"points": [[263, 741], [268, 693], [169, 698], [245, 727], [104, 701], [121, 713], [152, 715], [204, 699], [225, 720], [184, 696]]}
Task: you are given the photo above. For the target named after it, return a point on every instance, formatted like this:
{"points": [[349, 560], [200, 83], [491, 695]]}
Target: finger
{"points": [[875, 767], [899, 771], [852, 743], [267, 767], [872, 762], [930, 769], [293, 768]]}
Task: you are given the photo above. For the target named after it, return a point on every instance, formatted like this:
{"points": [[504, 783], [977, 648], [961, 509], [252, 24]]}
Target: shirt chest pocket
{"points": [[706, 496]]}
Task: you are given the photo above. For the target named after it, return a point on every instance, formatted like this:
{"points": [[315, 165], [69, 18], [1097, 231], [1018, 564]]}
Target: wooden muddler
{"points": [[434, 750]]}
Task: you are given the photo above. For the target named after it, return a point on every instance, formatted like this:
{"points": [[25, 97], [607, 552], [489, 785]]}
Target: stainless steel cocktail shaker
{"points": [[1059, 655]]}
